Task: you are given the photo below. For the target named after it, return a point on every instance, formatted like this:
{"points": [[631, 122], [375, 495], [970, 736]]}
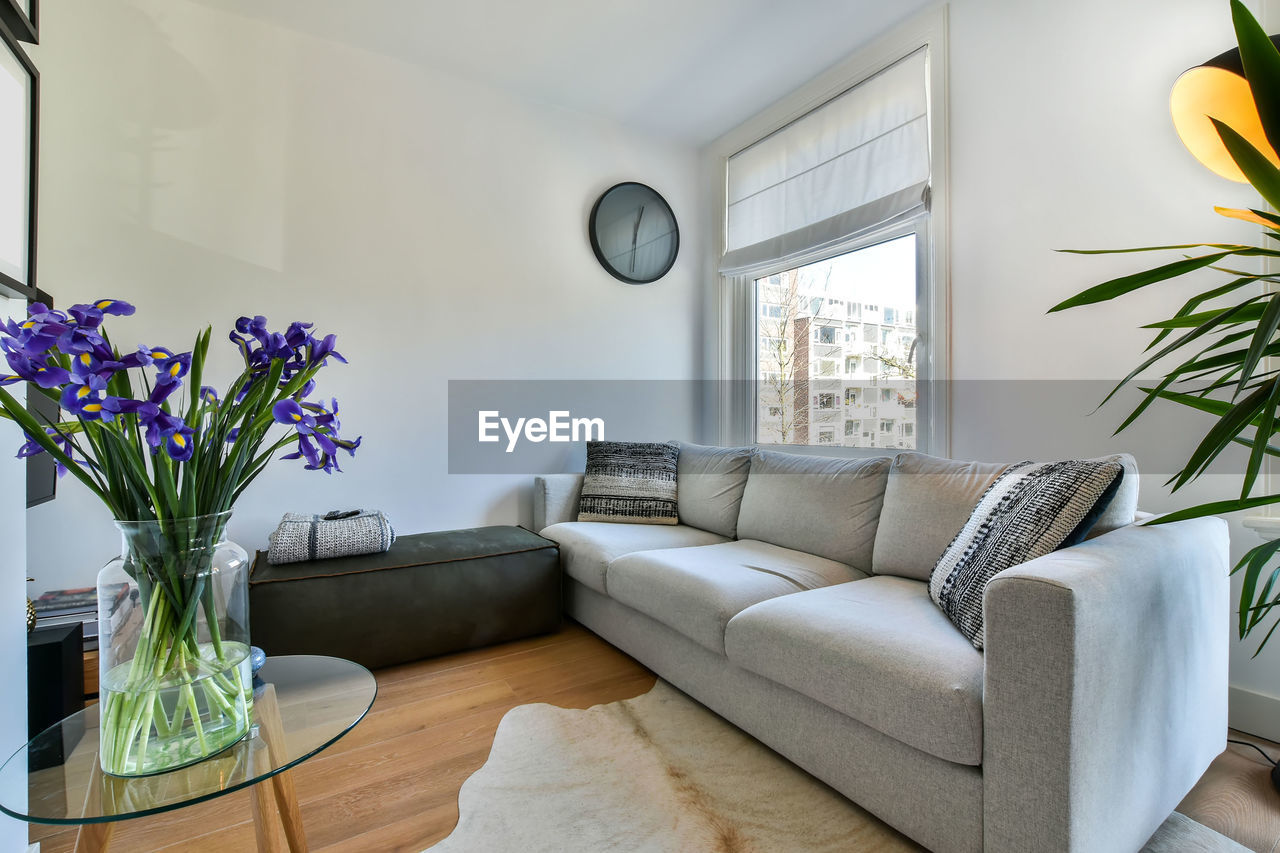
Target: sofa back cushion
{"points": [[816, 504], [928, 499], [709, 486]]}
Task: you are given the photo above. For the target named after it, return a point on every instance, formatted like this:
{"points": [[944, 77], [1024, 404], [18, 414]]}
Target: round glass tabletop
{"points": [[316, 700]]}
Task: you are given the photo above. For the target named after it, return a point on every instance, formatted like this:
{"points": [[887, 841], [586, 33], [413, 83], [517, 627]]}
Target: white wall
{"points": [[13, 617], [1061, 138], [204, 165]]}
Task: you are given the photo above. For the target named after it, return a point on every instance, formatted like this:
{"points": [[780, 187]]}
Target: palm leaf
{"points": [[1261, 63], [1260, 171]]}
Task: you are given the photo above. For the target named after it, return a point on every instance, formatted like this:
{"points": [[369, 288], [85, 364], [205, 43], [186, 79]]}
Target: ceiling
{"points": [[687, 70]]}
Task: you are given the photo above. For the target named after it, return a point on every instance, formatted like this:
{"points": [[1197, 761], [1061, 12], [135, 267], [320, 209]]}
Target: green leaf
{"points": [[1261, 68], [1265, 428], [1199, 299], [1216, 508], [1247, 313], [1229, 248], [1266, 330], [1129, 283], [1253, 562], [1237, 418], [1260, 171]]}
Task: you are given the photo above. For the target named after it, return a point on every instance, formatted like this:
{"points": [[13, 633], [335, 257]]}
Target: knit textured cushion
{"points": [[630, 482], [1031, 509]]}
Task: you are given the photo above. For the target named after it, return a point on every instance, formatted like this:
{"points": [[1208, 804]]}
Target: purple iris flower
{"points": [[39, 332], [316, 460], [180, 444], [115, 307], [77, 338], [82, 396], [209, 394], [322, 349], [172, 368], [290, 412], [31, 448], [86, 315], [159, 424], [297, 335], [37, 370]]}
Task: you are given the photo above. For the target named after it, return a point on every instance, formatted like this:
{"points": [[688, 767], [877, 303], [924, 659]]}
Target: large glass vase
{"points": [[173, 623]]}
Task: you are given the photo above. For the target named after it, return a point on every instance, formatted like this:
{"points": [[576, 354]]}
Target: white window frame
{"points": [[734, 408]]}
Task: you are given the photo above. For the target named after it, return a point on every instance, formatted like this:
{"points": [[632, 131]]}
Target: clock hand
{"points": [[635, 233]]}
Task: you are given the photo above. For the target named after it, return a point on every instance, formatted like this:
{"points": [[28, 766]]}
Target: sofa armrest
{"points": [[555, 499], [1105, 692]]}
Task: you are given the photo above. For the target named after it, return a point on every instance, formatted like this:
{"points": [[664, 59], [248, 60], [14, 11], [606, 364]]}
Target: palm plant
{"points": [[1219, 352]]}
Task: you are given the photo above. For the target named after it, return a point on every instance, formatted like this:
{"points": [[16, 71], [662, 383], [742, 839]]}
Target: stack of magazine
{"points": [[69, 606]]}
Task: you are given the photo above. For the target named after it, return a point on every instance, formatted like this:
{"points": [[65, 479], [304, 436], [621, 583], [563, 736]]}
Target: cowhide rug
{"points": [[662, 773]]}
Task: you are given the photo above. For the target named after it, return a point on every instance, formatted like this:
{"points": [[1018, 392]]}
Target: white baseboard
{"points": [[1255, 713]]}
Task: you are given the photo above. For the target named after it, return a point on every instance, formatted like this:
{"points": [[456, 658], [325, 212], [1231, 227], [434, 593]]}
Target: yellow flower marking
{"points": [[93, 407], [104, 304], [83, 391], [179, 439], [295, 416], [85, 359], [176, 369]]}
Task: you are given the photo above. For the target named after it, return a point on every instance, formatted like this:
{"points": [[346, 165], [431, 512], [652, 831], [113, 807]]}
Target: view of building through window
{"points": [[835, 350]]}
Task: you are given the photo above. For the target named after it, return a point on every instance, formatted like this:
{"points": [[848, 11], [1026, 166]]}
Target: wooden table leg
{"points": [[271, 730], [94, 837], [266, 826]]}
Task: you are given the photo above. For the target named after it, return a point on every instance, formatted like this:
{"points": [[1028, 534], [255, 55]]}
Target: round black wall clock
{"points": [[633, 233]]}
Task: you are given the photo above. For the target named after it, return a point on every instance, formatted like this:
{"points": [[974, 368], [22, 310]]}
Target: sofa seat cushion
{"points": [[877, 650], [588, 547], [696, 591]]}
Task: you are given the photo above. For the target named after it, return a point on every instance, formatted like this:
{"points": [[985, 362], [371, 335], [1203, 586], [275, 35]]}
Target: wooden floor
{"points": [[392, 783]]}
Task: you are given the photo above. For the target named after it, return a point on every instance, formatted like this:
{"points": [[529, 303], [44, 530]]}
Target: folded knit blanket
{"points": [[336, 534]]}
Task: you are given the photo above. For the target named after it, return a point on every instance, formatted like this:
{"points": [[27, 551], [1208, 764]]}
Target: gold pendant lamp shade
{"points": [[1219, 90]]}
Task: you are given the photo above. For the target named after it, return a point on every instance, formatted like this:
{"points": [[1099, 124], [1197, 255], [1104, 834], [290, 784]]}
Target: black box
{"points": [[431, 594]]}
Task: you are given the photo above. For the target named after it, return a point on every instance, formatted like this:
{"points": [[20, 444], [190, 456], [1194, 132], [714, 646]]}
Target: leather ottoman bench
{"points": [[431, 594]]}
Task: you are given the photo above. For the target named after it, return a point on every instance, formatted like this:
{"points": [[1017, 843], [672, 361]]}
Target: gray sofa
{"points": [[792, 600]]}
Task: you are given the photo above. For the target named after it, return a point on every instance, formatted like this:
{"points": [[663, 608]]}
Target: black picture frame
{"points": [[23, 286], [23, 26], [612, 224], [42, 471]]}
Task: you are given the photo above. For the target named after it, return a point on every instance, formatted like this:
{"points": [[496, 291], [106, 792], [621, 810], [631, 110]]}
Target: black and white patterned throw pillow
{"points": [[630, 482], [1031, 509]]}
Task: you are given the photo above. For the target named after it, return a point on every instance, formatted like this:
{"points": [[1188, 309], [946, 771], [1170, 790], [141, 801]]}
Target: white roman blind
{"points": [[858, 162]]}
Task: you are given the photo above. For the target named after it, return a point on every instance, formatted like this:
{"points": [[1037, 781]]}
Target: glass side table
{"points": [[302, 704]]}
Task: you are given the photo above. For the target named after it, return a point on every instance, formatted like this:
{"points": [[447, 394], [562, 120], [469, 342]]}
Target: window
{"points": [[831, 220]]}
